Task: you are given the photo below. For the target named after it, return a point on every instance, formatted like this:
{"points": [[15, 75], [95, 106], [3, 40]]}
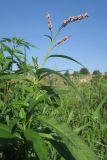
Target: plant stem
{"points": [[50, 47]]}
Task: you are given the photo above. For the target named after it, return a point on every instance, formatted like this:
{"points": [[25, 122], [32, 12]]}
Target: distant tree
{"points": [[105, 73], [97, 72], [84, 71]]}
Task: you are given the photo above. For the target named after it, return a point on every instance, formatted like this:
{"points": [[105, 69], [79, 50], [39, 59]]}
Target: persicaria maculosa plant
{"points": [[27, 129]]}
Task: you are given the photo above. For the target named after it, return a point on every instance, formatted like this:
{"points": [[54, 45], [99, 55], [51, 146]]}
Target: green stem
{"points": [[50, 47]]}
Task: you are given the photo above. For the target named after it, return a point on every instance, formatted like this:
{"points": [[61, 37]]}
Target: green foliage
{"points": [[75, 145], [86, 115], [96, 72], [38, 144], [24, 133], [84, 71]]}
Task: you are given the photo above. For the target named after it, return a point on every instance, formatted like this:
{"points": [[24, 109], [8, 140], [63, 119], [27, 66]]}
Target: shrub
{"points": [[84, 71], [96, 72]]}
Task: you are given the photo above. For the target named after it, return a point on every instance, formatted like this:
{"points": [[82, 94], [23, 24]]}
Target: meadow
{"points": [[42, 121]]}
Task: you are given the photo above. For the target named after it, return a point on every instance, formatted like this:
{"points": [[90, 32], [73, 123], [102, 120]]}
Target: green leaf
{"points": [[19, 42], [22, 113], [32, 45], [43, 72], [38, 143], [17, 51], [4, 127], [63, 56], [12, 124], [62, 149], [6, 40], [32, 106], [48, 36], [96, 113], [77, 130], [35, 62], [34, 102], [5, 135], [1, 103], [74, 143]]}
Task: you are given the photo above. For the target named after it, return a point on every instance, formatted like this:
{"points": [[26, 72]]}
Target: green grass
{"points": [[86, 113]]}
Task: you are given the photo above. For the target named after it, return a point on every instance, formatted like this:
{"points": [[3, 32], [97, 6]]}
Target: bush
{"points": [[97, 72], [84, 71]]}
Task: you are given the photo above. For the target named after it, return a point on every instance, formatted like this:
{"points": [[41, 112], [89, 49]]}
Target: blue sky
{"points": [[88, 44]]}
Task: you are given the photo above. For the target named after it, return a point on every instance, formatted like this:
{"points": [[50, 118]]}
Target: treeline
{"points": [[85, 71]]}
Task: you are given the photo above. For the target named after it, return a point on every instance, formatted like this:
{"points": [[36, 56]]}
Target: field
{"points": [[82, 107], [85, 112]]}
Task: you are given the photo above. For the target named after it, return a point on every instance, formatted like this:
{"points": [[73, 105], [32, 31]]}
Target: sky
{"points": [[88, 44]]}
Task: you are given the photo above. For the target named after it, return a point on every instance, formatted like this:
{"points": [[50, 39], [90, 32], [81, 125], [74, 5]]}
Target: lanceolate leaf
{"points": [[5, 135], [48, 37], [76, 146], [4, 127], [31, 45], [63, 56], [43, 72], [97, 111], [6, 40], [12, 124], [38, 143], [19, 42], [32, 106]]}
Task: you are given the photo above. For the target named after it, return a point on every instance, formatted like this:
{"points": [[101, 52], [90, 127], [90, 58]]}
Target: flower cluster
{"points": [[74, 18], [62, 40], [49, 22]]}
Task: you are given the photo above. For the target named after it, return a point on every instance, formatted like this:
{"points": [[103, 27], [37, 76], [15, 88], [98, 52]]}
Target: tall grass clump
{"points": [[28, 125], [86, 114]]}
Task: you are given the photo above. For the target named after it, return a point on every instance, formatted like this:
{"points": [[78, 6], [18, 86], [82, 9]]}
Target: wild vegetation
{"points": [[39, 122]]}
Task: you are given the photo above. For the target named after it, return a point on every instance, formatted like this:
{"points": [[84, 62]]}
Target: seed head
{"points": [[62, 40], [49, 22], [74, 18]]}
